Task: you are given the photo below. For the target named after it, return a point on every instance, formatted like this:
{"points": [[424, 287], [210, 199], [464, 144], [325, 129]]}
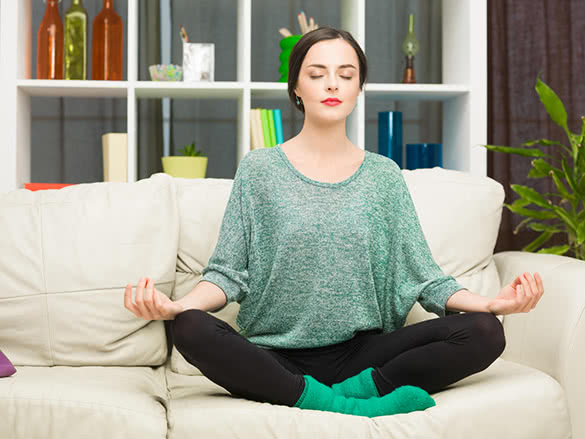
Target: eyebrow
{"points": [[321, 66]]}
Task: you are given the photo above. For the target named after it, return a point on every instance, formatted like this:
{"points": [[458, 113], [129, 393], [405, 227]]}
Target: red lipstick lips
{"points": [[331, 101]]}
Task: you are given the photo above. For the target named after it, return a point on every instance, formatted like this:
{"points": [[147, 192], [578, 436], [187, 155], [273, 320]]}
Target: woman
{"points": [[321, 246]]}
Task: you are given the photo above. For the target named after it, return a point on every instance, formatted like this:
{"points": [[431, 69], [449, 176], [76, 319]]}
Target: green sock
{"points": [[405, 399], [361, 385]]}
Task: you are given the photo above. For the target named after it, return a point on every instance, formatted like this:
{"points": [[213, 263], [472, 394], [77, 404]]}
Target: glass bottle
{"points": [[410, 48], [75, 45], [106, 56], [50, 43]]}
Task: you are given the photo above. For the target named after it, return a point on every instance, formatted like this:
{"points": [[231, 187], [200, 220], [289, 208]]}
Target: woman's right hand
{"points": [[151, 304]]}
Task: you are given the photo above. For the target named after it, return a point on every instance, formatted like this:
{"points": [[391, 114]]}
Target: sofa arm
{"points": [[551, 337]]}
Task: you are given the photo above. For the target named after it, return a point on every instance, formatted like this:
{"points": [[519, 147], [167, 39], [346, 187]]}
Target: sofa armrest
{"points": [[551, 337]]}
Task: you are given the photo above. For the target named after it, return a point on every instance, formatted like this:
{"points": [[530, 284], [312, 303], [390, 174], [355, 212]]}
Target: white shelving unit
{"points": [[463, 92]]}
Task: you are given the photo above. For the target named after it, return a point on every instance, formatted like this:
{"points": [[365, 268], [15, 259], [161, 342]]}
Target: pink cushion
{"points": [[6, 367]]}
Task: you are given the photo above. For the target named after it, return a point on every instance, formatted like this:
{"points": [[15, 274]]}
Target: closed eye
{"points": [[344, 77]]}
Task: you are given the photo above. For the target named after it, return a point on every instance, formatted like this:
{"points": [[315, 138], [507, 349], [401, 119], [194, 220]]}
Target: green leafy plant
{"points": [[190, 151], [567, 205]]}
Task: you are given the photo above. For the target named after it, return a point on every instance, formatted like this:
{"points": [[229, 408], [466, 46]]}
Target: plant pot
{"points": [[286, 46], [185, 167]]}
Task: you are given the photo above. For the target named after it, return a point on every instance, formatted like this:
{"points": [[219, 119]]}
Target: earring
{"points": [[298, 100]]}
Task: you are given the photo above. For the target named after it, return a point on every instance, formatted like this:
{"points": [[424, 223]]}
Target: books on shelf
{"points": [[115, 156], [265, 128]]}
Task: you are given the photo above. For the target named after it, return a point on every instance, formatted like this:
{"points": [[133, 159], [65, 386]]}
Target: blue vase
{"points": [[424, 155], [390, 135]]}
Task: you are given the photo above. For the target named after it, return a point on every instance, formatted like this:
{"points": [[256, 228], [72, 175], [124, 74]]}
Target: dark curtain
{"points": [[526, 38]]}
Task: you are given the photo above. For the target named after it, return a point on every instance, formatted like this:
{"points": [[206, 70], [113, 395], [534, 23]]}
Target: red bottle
{"points": [[50, 43], [107, 44]]}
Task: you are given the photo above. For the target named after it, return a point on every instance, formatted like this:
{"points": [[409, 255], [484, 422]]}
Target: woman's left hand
{"points": [[521, 295]]}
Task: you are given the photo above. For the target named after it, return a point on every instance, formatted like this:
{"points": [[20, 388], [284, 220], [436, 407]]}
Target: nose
{"points": [[332, 83]]}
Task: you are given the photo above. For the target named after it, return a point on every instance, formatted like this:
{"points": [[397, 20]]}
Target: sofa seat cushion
{"points": [[82, 402], [505, 400]]}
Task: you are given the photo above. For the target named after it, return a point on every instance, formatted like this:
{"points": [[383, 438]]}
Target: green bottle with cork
{"points": [[410, 48], [75, 44]]}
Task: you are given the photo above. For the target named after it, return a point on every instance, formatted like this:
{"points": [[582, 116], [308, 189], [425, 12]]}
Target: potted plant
{"points": [[191, 165], [567, 205]]}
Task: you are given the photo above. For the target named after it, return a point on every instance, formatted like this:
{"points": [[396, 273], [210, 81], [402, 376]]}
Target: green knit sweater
{"points": [[311, 263]]}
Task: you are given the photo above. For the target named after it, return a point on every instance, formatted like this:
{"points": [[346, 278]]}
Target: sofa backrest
{"points": [[65, 258], [459, 213]]}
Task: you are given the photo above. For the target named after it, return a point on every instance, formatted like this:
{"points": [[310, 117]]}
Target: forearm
{"points": [[464, 300], [206, 296]]}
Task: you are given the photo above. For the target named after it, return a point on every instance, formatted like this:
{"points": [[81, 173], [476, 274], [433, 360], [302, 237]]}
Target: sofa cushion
{"points": [[459, 213], [505, 400], [66, 258], [83, 402]]}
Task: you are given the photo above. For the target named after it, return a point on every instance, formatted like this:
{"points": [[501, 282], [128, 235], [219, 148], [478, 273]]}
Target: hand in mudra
{"points": [[151, 304], [520, 295]]}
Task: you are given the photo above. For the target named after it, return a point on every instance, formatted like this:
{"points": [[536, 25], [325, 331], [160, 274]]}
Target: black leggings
{"points": [[431, 355]]}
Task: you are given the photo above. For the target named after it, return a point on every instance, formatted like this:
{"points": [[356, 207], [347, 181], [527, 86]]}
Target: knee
{"points": [[188, 327], [490, 333]]}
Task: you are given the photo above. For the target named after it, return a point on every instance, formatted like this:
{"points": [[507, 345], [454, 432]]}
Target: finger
{"points": [[539, 287], [148, 300], [539, 283], [158, 308], [140, 299], [535, 293], [519, 298], [128, 301], [532, 283], [527, 290]]}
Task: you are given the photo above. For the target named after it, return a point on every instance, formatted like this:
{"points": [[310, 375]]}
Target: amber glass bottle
{"points": [[107, 44], [50, 43], [75, 45]]}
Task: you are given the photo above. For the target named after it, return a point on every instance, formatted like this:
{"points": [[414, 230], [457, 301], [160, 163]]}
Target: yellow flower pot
{"points": [[185, 167]]}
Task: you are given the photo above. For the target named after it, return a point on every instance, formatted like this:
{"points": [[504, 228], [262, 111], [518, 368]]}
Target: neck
{"points": [[108, 3], [323, 142]]}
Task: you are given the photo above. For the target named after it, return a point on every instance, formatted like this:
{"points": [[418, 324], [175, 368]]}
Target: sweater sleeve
{"points": [[419, 274], [228, 265]]}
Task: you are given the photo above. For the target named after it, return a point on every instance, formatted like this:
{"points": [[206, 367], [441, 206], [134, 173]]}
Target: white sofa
{"points": [[88, 368]]}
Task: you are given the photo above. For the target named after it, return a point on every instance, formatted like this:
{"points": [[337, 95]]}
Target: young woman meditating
{"points": [[321, 246]]}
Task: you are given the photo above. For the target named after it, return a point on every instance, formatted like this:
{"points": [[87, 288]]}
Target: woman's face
{"points": [[330, 70]]}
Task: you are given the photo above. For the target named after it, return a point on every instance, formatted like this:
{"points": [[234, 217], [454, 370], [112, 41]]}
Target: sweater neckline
{"points": [[322, 183]]}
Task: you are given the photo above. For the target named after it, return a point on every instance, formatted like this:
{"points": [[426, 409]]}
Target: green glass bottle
{"points": [[75, 47], [410, 48]]}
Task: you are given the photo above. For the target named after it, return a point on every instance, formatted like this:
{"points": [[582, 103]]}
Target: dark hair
{"points": [[300, 49]]}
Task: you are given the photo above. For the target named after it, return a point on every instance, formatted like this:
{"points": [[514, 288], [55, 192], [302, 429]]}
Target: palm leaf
{"points": [[544, 236], [556, 250], [553, 105], [538, 214], [531, 195], [540, 227], [518, 151]]}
